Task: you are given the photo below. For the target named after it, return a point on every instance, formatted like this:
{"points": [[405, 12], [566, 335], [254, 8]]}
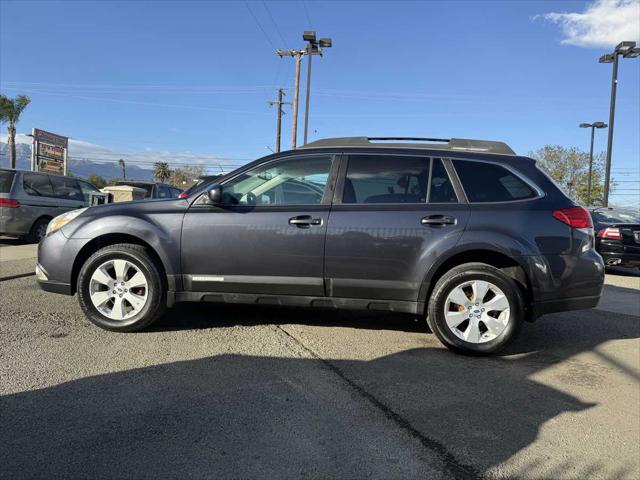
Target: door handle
{"points": [[438, 220], [305, 221]]}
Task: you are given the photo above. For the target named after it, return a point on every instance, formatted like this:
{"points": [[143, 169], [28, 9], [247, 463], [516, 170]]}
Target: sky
{"points": [[191, 80]]}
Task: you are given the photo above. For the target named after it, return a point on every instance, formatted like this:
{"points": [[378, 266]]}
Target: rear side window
{"points": [[66, 188], [37, 185], [386, 179], [486, 182], [87, 189], [441, 189], [164, 192], [6, 179]]}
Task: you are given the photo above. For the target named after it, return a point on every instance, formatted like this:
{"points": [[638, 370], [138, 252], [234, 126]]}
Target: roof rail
{"points": [[452, 144]]}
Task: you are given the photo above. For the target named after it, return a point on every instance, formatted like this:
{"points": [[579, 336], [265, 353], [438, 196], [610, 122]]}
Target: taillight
{"points": [[611, 233], [575, 217], [183, 195], [9, 202]]}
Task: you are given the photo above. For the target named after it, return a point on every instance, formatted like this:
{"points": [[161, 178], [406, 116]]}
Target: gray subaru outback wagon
{"points": [[463, 232]]}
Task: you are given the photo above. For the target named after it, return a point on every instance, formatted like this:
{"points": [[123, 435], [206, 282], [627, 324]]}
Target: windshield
{"points": [[616, 216], [6, 179]]}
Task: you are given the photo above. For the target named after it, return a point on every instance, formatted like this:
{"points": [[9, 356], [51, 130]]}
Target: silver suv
{"points": [[29, 200]]}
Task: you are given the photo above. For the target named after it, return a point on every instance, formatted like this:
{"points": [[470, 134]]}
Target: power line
{"points": [[266, 7], [246, 4], [306, 12]]}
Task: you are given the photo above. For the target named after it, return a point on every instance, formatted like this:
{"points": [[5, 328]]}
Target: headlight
{"points": [[61, 220]]}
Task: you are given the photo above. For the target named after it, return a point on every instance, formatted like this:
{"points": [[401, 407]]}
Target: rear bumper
{"points": [[621, 259], [564, 305]]}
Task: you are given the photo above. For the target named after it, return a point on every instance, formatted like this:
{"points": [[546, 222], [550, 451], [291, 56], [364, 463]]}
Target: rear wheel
{"points": [[120, 288], [475, 308], [38, 230]]}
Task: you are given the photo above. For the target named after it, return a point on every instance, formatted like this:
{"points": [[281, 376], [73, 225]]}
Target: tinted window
{"points": [[485, 182], [164, 191], [294, 181], [615, 216], [87, 189], [6, 179], [386, 179], [37, 184], [441, 188], [66, 188], [175, 192]]}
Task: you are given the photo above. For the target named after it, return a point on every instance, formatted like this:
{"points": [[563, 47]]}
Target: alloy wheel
{"points": [[118, 289], [477, 311]]}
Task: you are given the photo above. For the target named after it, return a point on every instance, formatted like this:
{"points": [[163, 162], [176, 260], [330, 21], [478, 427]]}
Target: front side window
{"points": [[294, 181], [37, 185], [87, 190], [66, 188], [386, 179], [163, 191], [486, 182]]}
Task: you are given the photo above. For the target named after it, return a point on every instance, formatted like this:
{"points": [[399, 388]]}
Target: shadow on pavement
{"points": [[423, 412], [623, 272]]}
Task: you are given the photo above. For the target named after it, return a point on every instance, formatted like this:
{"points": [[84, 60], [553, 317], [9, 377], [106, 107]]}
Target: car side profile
{"points": [[464, 232], [29, 200]]}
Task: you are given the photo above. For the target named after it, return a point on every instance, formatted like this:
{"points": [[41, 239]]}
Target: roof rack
{"points": [[452, 144]]}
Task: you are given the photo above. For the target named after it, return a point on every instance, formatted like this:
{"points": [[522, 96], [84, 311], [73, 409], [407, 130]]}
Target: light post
{"points": [[592, 126], [627, 50], [314, 47]]}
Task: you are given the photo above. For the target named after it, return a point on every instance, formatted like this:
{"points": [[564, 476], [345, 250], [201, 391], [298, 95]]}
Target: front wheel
{"points": [[120, 288], [475, 308]]}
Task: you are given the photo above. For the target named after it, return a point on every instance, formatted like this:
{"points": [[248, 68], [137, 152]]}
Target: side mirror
{"points": [[215, 195]]}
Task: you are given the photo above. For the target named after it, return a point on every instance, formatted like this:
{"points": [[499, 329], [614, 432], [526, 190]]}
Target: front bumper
{"points": [[56, 257]]}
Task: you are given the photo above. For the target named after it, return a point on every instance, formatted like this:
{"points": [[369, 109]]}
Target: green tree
{"points": [[569, 167], [186, 176], [10, 111], [122, 166], [161, 171], [97, 181]]}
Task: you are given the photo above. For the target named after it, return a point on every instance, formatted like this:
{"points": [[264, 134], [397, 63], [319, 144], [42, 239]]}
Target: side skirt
{"points": [[302, 301]]}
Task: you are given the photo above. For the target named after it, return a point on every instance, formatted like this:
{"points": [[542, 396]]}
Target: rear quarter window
{"points": [[6, 180], [486, 182], [37, 185]]}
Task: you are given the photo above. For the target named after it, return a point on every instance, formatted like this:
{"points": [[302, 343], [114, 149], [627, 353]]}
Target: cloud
{"points": [[604, 23], [81, 150]]}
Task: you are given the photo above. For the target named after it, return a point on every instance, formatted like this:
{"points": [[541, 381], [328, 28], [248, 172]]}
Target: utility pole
{"points": [[279, 102], [297, 54]]}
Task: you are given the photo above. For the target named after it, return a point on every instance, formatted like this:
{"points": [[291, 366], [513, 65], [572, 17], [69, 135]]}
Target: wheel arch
{"points": [[508, 264], [111, 239]]}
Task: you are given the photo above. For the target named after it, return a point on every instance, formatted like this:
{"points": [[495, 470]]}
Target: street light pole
{"points": [[627, 50], [593, 127], [314, 47], [306, 107], [612, 111]]}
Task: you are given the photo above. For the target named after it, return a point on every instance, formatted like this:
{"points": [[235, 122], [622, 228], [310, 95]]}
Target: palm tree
{"points": [[123, 168], [10, 110], [161, 171]]}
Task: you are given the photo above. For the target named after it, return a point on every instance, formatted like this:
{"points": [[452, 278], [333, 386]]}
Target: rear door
{"points": [[268, 235], [393, 215]]}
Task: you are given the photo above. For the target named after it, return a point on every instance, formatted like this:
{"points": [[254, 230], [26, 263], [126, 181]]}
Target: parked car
{"points": [[464, 232], [617, 235], [29, 200], [201, 180], [153, 189]]}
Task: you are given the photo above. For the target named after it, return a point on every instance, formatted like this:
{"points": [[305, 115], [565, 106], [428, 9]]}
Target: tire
{"points": [[38, 230], [122, 310], [485, 327]]}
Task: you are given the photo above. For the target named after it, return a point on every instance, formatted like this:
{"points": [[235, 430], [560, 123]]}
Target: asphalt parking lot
{"points": [[246, 392]]}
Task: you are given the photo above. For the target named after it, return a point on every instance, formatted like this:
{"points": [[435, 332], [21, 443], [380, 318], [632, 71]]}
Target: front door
{"points": [[267, 236], [392, 217]]}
